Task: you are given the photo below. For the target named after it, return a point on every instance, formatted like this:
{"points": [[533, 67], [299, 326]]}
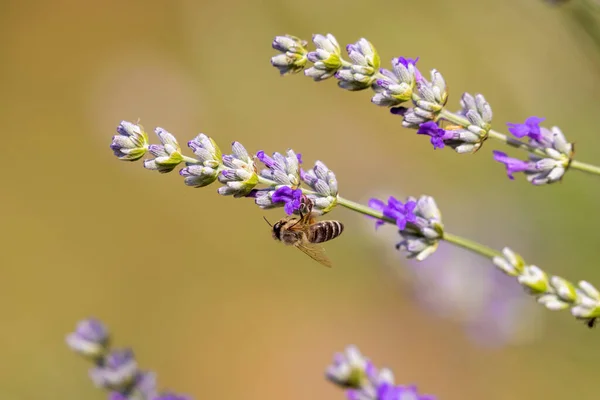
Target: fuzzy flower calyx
{"points": [[364, 64], [131, 142], [539, 170], [326, 58], [294, 55], [239, 178], [167, 156], [396, 86], [283, 170], [324, 183], [208, 155]]}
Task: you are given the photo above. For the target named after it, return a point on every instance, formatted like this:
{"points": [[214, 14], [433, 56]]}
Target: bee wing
{"points": [[315, 252]]}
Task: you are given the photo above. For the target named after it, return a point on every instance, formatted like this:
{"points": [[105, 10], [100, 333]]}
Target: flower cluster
{"points": [[553, 156], [554, 292], [419, 222], [115, 370], [363, 381], [281, 178]]}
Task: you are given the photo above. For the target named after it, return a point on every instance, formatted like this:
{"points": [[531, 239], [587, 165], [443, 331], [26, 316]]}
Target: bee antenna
{"points": [[271, 225]]}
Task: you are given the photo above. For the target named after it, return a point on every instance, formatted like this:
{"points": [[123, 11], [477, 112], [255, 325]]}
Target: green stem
{"points": [[585, 167], [450, 238]]}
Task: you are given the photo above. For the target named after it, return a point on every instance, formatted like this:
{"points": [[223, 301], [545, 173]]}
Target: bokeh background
{"points": [[194, 282]]}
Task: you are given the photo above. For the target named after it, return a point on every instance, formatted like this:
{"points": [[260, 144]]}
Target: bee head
{"points": [[277, 230]]}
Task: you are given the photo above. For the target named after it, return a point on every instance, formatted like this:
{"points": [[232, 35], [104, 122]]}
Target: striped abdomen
{"points": [[325, 230]]}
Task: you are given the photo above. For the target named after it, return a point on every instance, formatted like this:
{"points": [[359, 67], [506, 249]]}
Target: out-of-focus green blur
{"points": [[194, 282]]}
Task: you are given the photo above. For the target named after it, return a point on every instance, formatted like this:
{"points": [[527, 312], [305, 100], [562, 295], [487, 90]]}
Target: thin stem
{"points": [[468, 244], [585, 167], [450, 238], [190, 160]]}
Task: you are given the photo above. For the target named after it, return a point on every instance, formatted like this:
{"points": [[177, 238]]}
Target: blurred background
{"points": [[194, 282]]}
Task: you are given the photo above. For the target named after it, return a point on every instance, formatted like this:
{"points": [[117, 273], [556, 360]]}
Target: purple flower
{"points": [[512, 164], [365, 382], [402, 213], [118, 370], [89, 339], [530, 128], [438, 135], [292, 198]]}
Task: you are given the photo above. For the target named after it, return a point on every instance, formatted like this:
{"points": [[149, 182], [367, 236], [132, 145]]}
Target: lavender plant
{"points": [[114, 370], [280, 184], [550, 155]]}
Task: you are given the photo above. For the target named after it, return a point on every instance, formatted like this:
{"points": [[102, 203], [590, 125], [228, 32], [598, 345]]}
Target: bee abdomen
{"points": [[325, 230]]}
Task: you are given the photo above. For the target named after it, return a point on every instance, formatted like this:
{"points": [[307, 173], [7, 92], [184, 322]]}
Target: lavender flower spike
{"points": [[365, 64], [167, 156], [397, 85], [283, 170], [90, 338], [554, 292], [293, 57], [131, 143], [321, 180], [365, 382], [240, 177], [348, 369], [326, 59], [209, 156], [539, 170]]}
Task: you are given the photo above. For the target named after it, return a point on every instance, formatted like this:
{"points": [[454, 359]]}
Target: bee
{"points": [[306, 232]]}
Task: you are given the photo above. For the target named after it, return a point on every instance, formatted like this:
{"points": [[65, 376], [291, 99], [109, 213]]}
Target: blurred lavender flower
{"points": [[283, 170], [131, 143], [90, 338], [396, 86], [361, 72], [365, 382], [552, 142], [322, 180], [241, 178], [293, 57], [167, 156], [118, 370], [326, 59]]}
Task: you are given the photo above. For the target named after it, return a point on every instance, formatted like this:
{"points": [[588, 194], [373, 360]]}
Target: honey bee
{"points": [[306, 232]]}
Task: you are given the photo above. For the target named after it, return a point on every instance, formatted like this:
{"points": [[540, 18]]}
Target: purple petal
{"points": [[512, 164]]}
